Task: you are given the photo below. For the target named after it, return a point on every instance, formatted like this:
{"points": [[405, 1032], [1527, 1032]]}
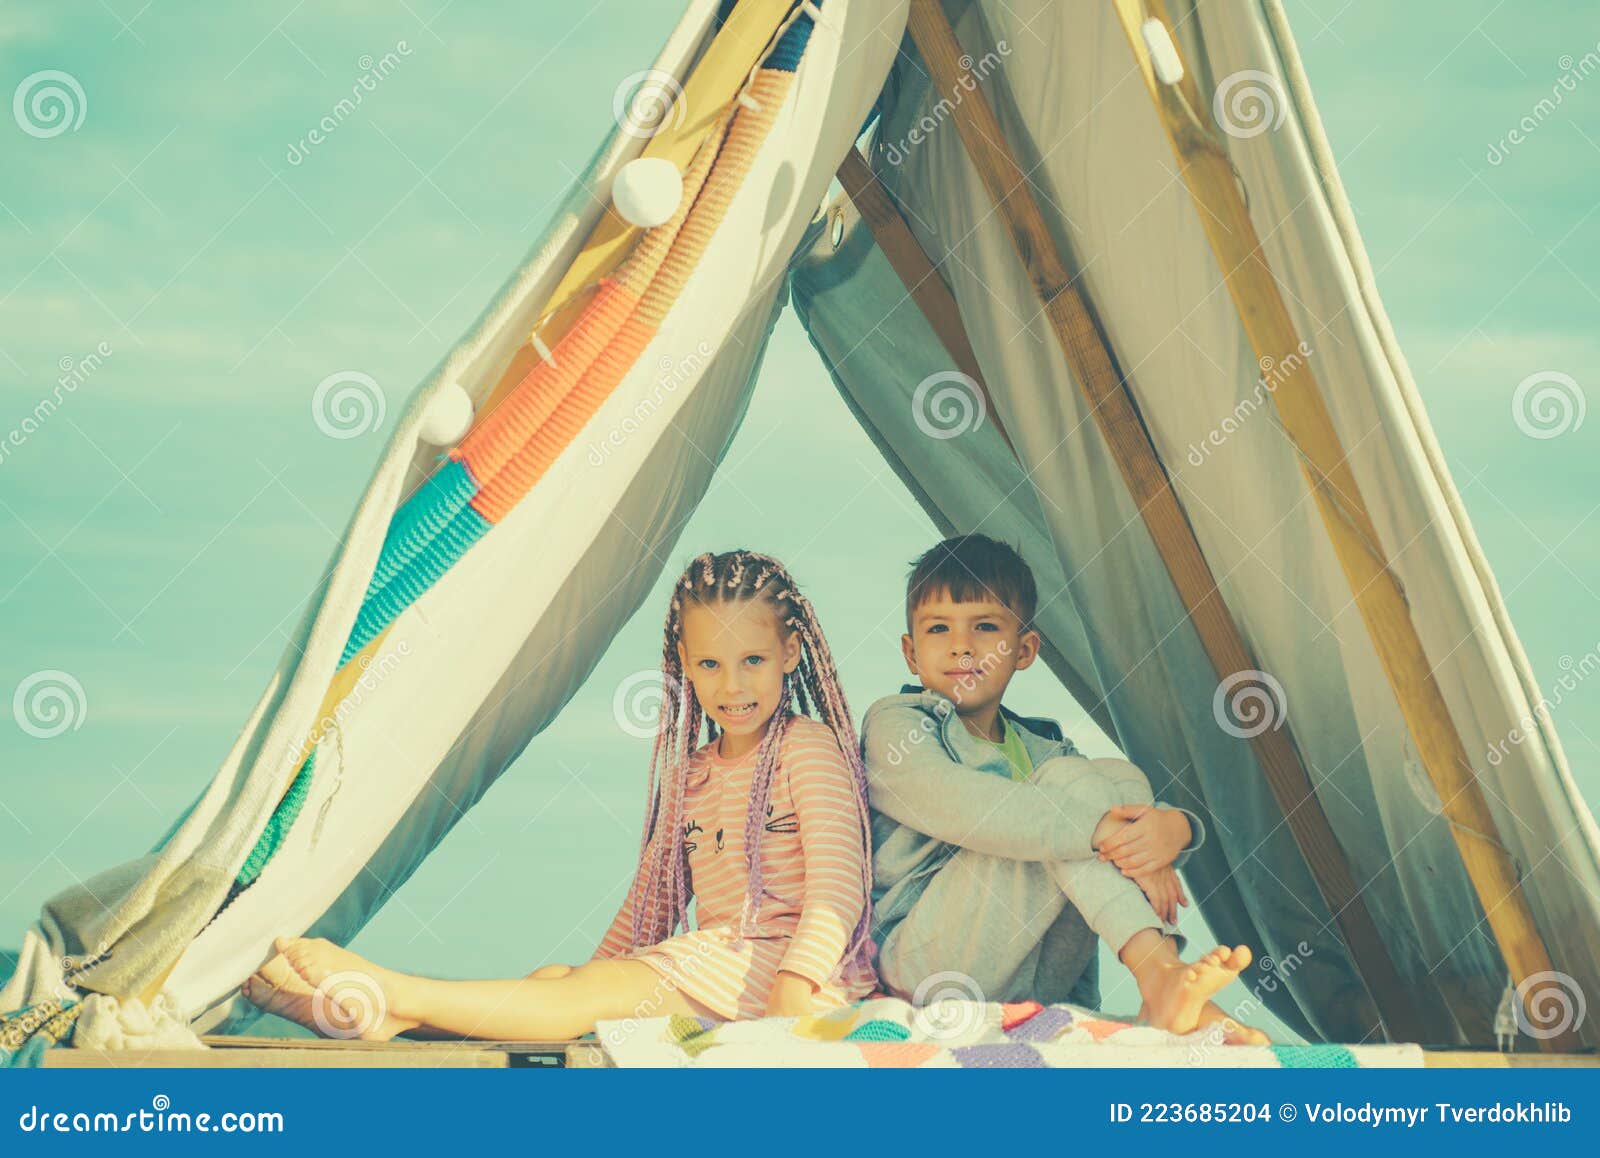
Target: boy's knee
{"points": [[1105, 780], [548, 973], [1131, 783]]}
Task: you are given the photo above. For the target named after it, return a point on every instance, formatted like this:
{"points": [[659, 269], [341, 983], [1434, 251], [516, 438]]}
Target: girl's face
{"points": [[735, 656]]}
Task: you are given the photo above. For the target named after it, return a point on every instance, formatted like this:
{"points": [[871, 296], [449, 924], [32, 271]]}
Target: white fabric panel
{"points": [[172, 890], [467, 639], [1540, 816], [1081, 122], [1092, 145], [879, 349], [464, 634]]}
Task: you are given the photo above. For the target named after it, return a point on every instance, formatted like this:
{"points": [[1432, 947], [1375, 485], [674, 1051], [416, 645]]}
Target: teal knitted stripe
{"points": [[420, 519], [383, 608], [878, 1029], [279, 824], [1315, 1057]]}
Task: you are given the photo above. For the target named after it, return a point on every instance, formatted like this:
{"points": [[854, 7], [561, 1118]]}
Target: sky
{"points": [[193, 264]]}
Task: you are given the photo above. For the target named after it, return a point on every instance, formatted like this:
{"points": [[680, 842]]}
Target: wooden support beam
{"points": [[922, 281], [1212, 182], [1089, 357], [928, 289]]}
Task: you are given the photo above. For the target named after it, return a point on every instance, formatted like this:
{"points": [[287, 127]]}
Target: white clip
{"points": [[1164, 56], [749, 102], [542, 349], [1505, 1019]]}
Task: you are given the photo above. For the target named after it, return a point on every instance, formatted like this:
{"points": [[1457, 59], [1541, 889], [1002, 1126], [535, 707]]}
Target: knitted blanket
{"points": [[890, 1033]]}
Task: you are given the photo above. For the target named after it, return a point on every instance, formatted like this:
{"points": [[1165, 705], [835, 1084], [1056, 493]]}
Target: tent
{"points": [[1091, 285]]}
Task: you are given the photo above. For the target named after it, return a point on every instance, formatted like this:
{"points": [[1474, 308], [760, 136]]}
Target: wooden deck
{"points": [[310, 1053], [314, 1053]]}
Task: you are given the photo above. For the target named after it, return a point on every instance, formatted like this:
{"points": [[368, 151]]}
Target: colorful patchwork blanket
{"points": [[890, 1033]]}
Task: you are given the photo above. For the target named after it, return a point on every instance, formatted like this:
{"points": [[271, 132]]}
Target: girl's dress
{"points": [[813, 862]]}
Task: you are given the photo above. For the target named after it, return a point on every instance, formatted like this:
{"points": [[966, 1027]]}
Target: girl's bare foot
{"points": [[1177, 994], [331, 991]]}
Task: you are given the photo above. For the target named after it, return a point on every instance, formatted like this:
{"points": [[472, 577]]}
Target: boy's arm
{"points": [[1155, 837], [1197, 833], [915, 782]]}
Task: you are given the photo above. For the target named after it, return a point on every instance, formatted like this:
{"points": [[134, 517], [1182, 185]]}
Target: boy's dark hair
{"points": [[969, 568]]}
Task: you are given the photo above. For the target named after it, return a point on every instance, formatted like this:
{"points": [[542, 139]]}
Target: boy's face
{"points": [[967, 652]]}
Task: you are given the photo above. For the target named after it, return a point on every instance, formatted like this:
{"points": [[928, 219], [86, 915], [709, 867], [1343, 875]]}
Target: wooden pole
{"points": [[906, 256], [928, 289], [1212, 183], [1089, 357]]}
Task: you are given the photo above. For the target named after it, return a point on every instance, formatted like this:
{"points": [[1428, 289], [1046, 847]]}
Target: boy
{"points": [[1000, 852]]}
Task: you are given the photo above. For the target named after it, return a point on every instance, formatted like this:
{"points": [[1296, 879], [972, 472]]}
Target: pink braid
{"points": [[660, 889]]}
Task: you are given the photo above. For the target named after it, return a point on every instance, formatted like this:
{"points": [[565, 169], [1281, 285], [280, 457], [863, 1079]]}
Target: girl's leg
{"points": [[548, 1004]]}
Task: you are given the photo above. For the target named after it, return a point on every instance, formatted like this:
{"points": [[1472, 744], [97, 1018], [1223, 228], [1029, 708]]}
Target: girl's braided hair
{"points": [[660, 894]]}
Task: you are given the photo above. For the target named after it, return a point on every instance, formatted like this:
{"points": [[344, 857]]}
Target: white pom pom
{"points": [[1164, 58], [646, 192], [448, 417]]}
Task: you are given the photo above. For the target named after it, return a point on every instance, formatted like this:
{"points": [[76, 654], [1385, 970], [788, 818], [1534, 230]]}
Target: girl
{"points": [[765, 825]]}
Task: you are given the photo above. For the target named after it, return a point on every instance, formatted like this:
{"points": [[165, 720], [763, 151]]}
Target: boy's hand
{"points": [[1165, 892], [790, 996], [1151, 840]]}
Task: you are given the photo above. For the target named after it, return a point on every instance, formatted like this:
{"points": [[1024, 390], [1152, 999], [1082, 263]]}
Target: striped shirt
{"points": [[813, 850]]}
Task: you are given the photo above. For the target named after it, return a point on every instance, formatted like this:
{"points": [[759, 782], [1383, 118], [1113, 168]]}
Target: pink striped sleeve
{"points": [[833, 845]]}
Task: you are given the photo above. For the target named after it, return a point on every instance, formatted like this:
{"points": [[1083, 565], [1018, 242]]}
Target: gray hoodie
{"points": [[936, 788]]}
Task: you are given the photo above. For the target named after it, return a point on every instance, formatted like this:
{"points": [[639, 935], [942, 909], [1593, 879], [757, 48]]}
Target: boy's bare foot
{"points": [[1176, 994], [1232, 1032], [329, 990]]}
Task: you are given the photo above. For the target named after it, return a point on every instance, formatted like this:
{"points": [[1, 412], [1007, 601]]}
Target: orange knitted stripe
{"points": [[498, 438], [502, 434], [745, 136], [496, 498], [641, 265], [749, 129]]}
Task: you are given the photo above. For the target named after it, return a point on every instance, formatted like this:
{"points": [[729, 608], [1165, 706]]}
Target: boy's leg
{"points": [[981, 917], [1113, 907], [1175, 995]]}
